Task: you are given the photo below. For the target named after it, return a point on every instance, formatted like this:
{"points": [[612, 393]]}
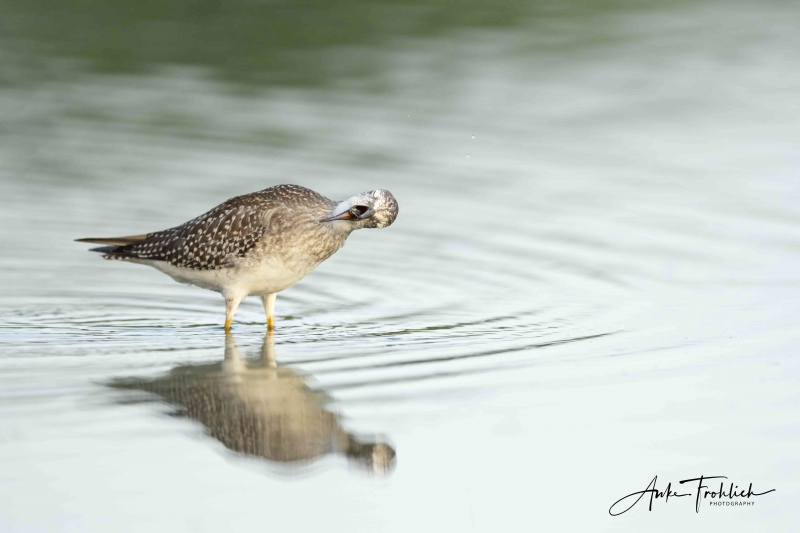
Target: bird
{"points": [[257, 244]]}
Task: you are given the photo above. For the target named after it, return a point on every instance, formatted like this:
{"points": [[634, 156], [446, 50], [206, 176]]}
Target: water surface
{"points": [[593, 278]]}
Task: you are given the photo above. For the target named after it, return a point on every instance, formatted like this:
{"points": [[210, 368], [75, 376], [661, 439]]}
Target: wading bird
{"points": [[256, 244]]}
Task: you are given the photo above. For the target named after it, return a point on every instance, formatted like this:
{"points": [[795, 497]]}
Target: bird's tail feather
{"points": [[116, 251], [105, 249], [115, 241]]}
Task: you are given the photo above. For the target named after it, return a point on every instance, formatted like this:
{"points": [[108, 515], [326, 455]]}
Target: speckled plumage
{"points": [[226, 233], [255, 244]]}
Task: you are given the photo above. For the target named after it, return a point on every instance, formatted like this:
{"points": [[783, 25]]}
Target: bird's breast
{"points": [[302, 248]]}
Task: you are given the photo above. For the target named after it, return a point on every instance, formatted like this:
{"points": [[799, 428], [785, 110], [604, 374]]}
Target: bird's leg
{"points": [[231, 303], [269, 308]]}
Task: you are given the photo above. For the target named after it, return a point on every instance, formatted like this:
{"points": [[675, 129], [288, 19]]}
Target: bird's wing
{"points": [[212, 240]]}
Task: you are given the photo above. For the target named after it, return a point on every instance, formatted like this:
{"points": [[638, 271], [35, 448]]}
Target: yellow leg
{"points": [[269, 308], [231, 303]]}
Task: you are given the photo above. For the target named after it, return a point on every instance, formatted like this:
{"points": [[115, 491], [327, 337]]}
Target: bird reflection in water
{"points": [[258, 408]]}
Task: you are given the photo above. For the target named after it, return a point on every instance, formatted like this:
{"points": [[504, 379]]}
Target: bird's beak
{"points": [[343, 216], [350, 215]]}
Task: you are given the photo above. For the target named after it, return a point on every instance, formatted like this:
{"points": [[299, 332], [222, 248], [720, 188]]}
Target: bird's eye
{"points": [[359, 210]]}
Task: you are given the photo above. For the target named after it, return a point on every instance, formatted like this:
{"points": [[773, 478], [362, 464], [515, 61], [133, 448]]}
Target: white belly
{"points": [[245, 279]]}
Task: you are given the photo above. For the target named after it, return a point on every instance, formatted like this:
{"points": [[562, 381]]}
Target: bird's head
{"points": [[372, 209]]}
